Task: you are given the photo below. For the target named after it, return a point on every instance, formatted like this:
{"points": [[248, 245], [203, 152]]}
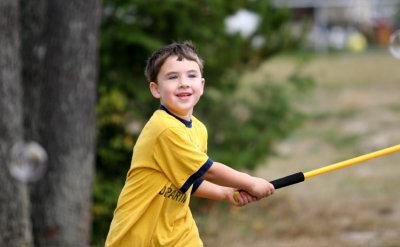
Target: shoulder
{"points": [[196, 122], [158, 123], [161, 121]]}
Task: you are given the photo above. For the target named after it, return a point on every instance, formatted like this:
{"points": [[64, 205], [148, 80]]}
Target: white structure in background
{"points": [[335, 22], [243, 21], [246, 23]]}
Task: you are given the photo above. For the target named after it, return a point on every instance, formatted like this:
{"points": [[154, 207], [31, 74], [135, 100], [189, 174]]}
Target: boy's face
{"points": [[179, 86]]}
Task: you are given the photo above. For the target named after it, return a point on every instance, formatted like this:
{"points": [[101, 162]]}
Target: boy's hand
{"points": [[241, 199], [261, 188]]}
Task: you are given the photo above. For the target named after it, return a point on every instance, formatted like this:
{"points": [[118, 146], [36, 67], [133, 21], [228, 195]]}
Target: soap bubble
{"points": [[28, 161], [394, 44]]}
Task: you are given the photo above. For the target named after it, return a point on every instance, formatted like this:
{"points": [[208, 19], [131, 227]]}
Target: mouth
{"points": [[183, 95]]}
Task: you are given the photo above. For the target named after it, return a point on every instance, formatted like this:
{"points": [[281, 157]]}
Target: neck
{"points": [[186, 121]]}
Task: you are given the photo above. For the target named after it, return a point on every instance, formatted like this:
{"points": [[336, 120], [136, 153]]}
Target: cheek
{"points": [[168, 93], [168, 90]]}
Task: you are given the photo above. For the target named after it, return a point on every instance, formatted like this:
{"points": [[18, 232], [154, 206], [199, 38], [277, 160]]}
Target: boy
{"points": [[170, 162]]}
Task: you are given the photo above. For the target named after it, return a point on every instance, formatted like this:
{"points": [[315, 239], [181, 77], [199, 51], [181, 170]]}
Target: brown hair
{"points": [[157, 59]]}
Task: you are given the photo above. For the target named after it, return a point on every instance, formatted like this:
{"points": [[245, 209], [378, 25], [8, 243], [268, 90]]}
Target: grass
{"points": [[353, 110]]}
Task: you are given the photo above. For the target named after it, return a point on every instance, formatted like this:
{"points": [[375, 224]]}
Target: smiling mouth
{"points": [[184, 95]]}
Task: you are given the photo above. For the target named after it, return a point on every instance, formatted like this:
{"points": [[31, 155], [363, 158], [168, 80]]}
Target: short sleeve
{"points": [[180, 159], [197, 184]]}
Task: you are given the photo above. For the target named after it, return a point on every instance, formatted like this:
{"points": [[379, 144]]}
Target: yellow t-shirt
{"points": [[168, 161]]}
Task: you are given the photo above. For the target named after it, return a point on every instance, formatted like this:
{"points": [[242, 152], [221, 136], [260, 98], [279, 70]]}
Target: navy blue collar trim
{"points": [[188, 124]]}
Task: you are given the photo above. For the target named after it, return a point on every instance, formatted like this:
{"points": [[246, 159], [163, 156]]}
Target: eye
{"points": [[192, 76], [172, 77]]}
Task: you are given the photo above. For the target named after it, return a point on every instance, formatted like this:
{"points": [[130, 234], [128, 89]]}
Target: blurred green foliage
{"points": [[243, 122]]}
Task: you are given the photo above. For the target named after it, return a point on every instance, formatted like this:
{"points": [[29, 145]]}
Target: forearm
{"points": [[212, 191], [225, 176]]}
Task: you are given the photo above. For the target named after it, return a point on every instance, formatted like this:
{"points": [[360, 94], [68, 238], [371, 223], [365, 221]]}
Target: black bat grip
{"points": [[288, 180]]}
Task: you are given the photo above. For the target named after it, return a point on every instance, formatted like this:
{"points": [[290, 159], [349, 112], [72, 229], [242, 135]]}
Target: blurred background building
{"points": [[341, 24]]}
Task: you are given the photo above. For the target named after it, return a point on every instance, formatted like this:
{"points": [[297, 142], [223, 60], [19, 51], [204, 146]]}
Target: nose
{"points": [[183, 83]]}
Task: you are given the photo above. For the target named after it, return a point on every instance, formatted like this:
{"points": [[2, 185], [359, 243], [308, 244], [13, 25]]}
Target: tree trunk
{"points": [[15, 228], [33, 49], [65, 119]]}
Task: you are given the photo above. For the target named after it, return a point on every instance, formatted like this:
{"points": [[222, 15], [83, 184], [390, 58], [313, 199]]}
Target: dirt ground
{"points": [[353, 110]]}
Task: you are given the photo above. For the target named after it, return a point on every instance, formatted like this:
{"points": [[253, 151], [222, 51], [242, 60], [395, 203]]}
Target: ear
{"points": [[202, 85], [154, 90]]}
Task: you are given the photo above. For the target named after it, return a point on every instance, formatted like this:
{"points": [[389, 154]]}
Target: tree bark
{"points": [[65, 121], [58, 91], [15, 227], [33, 50]]}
